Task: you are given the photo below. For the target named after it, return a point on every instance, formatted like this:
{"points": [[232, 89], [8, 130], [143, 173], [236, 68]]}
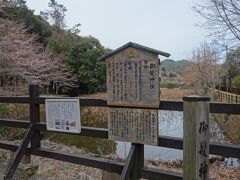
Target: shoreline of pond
{"points": [[49, 168]]}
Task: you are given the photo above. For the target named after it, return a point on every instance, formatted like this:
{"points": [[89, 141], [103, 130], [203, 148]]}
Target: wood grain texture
{"points": [[133, 79], [133, 125], [108, 175], [196, 140]]}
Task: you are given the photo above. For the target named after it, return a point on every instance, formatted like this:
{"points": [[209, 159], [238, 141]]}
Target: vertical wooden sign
{"points": [[134, 125], [133, 81], [196, 138]]}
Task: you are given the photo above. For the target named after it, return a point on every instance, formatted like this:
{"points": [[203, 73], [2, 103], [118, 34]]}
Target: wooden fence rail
{"points": [[226, 150], [226, 96]]}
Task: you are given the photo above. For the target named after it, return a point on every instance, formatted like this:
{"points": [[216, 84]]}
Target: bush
{"points": [[172, 74], [3, 111], [169, 85], [237, 81], [3, 114]]}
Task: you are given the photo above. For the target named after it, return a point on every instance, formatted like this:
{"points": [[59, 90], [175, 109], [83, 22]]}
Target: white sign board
{"points": [[63, 115]]}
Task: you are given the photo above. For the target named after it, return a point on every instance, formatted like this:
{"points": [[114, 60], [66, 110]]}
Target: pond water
{"points": [[170, 124]]}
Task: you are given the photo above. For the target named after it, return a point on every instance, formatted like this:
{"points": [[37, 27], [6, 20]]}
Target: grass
{"points": [[3, 110], [178, 93], [166, 93], [94, 117]]}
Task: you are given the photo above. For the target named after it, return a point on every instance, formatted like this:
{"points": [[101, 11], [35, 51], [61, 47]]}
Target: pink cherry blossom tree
{"points": [[24, 61]]}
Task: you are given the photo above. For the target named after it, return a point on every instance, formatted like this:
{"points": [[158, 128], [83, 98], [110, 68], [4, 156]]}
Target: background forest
{"points": [[39, 49]]}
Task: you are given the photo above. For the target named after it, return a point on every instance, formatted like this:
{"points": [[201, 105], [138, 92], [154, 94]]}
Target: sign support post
{"points": [[133, 97], [196, 138]]}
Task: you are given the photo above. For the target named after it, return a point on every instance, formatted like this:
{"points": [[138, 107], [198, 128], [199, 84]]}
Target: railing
{"points": [[227, 97], [136, 164], [230, 89]]}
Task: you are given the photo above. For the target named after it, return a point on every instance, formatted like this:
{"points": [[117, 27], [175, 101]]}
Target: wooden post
{"points": [[196, 138], [107, 175], [136, 169], [34, 114], [138, 163], [26, 159]]}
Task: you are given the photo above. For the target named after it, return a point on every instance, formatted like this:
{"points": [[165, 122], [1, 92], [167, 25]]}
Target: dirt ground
{"points": [[49, 169]]}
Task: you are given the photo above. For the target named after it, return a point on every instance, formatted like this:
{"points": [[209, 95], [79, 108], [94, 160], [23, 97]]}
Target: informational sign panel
{"points": [[133, 125], [133, 79], [63, 115]]}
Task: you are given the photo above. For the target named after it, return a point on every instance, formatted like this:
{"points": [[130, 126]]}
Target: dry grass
{"points": [[96, 95], [217, 170], [94, 117], [170, 94], [177, 93]]}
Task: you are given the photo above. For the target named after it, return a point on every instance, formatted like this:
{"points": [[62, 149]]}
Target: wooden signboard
{"points": [[133, 125], [133, 81], [63, 115]]}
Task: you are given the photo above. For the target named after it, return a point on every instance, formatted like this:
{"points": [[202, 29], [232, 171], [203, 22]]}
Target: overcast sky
{"points": [[167, 25]]}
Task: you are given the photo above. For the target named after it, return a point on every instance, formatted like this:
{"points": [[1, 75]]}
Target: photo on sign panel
{"points": [[63, 115]]}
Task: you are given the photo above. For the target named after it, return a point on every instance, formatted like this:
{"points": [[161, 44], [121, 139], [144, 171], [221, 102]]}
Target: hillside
{"points": [[78, 54], [176, 66]]}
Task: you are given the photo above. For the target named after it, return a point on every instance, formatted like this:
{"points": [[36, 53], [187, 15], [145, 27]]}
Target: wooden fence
{"points": [[134, 165], [226, 96], [230, 89]]}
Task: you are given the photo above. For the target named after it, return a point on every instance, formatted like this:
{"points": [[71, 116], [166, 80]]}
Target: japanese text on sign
{"points": [[63, 115], [134, 125], [133, 82]]}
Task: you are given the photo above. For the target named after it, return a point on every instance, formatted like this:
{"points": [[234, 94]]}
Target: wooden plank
{"points": [[14, 123], [139, 162], [215, 107], [196, 138], [133, 79], [26, 159], [34, 114], [147, 173], [85, 160], [133, 125], [15, 160], [224, 108], [128, 164], [106, 175], [16, 99], [227, 150]]}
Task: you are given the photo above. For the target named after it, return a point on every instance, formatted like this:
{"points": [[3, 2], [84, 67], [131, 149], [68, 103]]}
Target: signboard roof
{"points": [[137, 46]]}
